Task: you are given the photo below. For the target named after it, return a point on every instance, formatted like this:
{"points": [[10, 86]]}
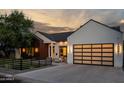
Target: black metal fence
{"points": [[22, 64]]}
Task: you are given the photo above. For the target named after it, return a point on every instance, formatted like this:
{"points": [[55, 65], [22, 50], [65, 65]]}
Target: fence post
{"points": [[39, 62], [31, 61], [20, 64], [50, 61], [13, 63]]}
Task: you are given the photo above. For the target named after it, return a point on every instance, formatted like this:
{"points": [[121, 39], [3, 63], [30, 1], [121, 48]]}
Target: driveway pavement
{"points": [[72, 73]]}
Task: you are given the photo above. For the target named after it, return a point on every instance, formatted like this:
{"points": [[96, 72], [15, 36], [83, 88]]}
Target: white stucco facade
{"points": [[92, 33]]}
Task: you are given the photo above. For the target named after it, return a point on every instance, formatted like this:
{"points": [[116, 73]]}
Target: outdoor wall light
{"points": [[118, 49], [65, 42], [36, 50], [60, 43], [70, 50], [23, 50]]}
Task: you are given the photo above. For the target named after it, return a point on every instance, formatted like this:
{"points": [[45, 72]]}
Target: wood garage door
{"points": [[95, 54]]}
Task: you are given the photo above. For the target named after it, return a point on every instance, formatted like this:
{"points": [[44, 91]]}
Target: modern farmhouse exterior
{"points": [[93, 43]]}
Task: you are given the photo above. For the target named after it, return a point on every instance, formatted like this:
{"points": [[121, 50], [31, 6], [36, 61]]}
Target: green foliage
{"points": [[14, 30]]}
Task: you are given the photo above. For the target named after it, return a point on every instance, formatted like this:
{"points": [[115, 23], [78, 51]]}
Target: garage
{"points": [[95, 43], [94, 54]]}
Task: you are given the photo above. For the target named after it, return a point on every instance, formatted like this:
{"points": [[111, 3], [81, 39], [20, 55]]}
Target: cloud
{"points": [[67, 19], [45, 27]]}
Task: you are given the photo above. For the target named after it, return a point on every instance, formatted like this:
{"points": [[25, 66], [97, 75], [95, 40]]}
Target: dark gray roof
{"points": [[57, 36]]}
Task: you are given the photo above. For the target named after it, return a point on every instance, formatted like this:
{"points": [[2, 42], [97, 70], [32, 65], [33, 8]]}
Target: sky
{"points": [[64, 20]]}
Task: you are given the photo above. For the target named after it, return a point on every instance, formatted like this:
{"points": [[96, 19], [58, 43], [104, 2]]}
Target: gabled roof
{"points": [[63, 36], [57, 36], [114, 29], [37, 37]]}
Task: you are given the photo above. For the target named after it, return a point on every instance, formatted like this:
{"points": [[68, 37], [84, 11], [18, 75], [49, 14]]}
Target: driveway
{"points": [[72, 73]]}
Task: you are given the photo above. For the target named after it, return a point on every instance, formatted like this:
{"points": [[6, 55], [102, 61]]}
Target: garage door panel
{"points": [[96, 62], [78, 54], [78, 57], [86, 46], [78, 50], [87, 54], [96, 46], [107, 50], [78, 61], [86, 62], [96, 54], [107, 58], [78, 46], [108, 54], [97, 58], [86, 50], [96, 50], [87, 58], [107, 45], [107, 63], [99, 54]]}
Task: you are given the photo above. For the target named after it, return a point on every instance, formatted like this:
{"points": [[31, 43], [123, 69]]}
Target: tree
{"points": [[15, 31]]}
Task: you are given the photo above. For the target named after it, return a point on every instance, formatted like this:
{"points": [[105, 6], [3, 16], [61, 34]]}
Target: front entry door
{"points": [[63, 53]]}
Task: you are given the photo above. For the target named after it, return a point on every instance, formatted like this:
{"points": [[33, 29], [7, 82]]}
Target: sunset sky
{"points": [[48, 20]]}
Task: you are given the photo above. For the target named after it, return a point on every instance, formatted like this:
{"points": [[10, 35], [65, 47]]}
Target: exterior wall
{"points": [[92, 33], [123, 35], [43, 50]]}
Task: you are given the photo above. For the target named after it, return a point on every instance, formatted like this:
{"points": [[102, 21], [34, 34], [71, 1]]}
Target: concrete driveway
{"points": [[72, 73]]}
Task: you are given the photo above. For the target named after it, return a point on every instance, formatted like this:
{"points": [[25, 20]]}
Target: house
{"points": [[93, 43]]}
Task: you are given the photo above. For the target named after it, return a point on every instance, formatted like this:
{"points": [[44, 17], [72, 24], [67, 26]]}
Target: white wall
{"points": [[93, 32], [123, 35]]}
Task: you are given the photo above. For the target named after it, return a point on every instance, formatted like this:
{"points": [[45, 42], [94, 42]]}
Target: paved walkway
{"points": [[72, 73]]}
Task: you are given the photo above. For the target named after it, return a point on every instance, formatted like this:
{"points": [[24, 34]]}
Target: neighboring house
{"points": [[93, 43]]}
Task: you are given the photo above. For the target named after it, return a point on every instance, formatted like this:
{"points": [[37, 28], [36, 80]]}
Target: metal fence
{"points": [[22, 64]]}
